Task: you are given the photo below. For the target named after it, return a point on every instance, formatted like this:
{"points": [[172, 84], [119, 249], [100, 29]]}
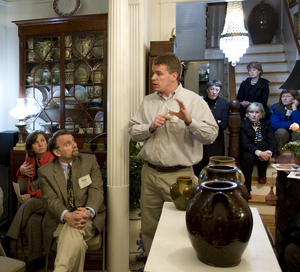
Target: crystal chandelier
{"points": [[234, 39]]}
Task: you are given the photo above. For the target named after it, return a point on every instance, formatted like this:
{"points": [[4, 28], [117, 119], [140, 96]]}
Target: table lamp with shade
{"points": [[293, 81], [25, 107]]}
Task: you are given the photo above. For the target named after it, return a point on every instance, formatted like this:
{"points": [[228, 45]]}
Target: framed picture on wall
{"points": [[292, 3]]}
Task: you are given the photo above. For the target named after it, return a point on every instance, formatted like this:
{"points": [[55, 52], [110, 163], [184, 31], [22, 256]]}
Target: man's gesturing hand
{"points": [[183, 113]]}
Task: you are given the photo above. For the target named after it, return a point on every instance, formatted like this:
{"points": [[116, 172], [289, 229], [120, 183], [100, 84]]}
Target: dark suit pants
{"points": [[248, 160]]}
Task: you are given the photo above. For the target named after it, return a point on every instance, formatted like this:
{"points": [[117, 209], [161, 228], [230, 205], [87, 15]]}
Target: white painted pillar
{"points": [[117, 138], [137, 54]]}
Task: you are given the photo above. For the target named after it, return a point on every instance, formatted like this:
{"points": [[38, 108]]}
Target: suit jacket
{"points": [[54, 193]]}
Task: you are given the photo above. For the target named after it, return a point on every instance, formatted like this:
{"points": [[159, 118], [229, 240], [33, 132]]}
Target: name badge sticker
{"points": [[84, 181], [173, 118]]}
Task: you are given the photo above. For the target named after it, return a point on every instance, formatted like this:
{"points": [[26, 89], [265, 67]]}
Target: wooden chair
{"points": [[97, 245], [9, 264]]}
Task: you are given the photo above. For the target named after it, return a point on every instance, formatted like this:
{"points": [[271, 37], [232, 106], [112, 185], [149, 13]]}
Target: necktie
{"points": [[70, 205]]}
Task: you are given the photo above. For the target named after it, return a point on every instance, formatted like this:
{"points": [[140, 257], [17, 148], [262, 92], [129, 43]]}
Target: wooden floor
{"points": [[94, 263]]}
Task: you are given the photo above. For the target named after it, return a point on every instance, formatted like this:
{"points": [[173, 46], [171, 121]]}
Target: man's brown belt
{"points": [[166, 169]]}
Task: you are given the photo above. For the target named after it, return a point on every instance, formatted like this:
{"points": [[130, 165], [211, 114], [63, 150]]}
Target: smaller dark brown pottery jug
{"points": [[182, 192], [219, 223], [224, 160], [224, 172]]}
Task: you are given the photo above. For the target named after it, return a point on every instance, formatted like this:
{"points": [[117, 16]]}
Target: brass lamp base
{"points": [[21, 144]]}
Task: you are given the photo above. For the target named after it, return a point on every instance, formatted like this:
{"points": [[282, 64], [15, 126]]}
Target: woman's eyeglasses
{"points": [[213, 90]]}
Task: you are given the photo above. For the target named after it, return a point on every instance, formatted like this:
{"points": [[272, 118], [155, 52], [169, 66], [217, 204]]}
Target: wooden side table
{"points": [[288, 204]]}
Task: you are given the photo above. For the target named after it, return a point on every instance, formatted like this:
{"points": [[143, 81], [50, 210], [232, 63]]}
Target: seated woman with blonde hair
{"points": [[257, 144]]}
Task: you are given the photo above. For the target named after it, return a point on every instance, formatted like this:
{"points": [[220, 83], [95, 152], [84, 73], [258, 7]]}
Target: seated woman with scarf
{"points": [[257, 144]]}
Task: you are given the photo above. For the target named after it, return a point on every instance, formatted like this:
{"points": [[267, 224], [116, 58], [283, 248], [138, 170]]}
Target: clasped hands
{"points": [[182, 114], [78, 218], [265, 155], [245, 103]]}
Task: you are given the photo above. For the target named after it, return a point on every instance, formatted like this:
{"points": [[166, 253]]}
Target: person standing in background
{"points": [[220, 109], [254, 89]]}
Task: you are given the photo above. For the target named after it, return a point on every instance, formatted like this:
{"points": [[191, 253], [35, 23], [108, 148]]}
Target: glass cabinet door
{"points": [[65, 75]]}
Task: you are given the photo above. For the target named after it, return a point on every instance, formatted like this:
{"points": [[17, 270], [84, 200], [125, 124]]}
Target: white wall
{"points": [[9, 45], [4, 94]]}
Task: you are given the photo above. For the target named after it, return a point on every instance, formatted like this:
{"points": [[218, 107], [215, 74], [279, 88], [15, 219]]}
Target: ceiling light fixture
{"points": [[234, 39]]}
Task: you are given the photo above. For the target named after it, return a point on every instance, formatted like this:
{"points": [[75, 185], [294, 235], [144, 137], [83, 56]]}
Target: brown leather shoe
{"points": [[249, 195], [262, 180]]}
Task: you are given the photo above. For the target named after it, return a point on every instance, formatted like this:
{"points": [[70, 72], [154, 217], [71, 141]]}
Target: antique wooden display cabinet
{"points": [[63, 65]]}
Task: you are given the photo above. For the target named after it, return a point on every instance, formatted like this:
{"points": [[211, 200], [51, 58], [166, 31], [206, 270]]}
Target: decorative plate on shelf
{"points": [[66, 8], [81, 93], [82, 47], [99, 116], [56, 94], [35, 93], [98, 46], [34, 123]]}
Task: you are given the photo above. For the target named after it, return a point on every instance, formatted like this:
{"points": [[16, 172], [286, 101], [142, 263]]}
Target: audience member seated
{"points": [[257, 144], [220, 109], [72, 190], [284, 113], [253, 89], [37, 155]]}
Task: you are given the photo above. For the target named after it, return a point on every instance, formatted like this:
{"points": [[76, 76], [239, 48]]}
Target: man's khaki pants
{"points": [[71, 247], [155, 191]]}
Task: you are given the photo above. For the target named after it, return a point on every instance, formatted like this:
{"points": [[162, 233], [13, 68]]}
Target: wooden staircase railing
{"points": [[234, 124], [292, 24]]}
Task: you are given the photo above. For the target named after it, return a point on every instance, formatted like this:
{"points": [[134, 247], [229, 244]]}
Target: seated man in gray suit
{"points": [[72, 191]]}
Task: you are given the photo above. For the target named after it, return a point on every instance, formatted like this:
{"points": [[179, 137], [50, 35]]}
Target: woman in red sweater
{"points": [[30, 215]]}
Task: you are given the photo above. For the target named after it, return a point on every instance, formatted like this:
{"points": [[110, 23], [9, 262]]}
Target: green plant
{"points": [[294, 146], [135, 169]]}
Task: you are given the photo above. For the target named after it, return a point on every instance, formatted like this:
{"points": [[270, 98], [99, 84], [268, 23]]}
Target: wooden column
{"points": [[234, 124]]}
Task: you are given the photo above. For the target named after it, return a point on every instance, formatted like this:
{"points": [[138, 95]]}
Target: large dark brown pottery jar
{"points": [[219, 223], [223, 172], [224, 160], [182, 192], [262, 23]]}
